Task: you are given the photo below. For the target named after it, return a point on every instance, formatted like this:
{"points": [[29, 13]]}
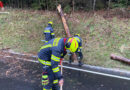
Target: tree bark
{"points": [[109, 4], [108, 14], [91, 4], [64, 21], [94, 3], [47, 4], [73, 2], [17, 3], [56, 3], [119, 58], [127, 2], [65, 26], [21, 4]]}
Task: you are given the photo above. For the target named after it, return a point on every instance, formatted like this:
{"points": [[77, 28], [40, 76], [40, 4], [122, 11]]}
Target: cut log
{"points": [[65, 26], [119, 58], [66, 30], [64, 21]]}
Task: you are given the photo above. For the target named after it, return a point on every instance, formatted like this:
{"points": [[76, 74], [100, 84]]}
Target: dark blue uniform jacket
{"points": [[50, 54], [48, 32]]}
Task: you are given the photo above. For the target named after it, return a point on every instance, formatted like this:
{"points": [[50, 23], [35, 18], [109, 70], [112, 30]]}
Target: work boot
{"points": [[70, 58], [80, 63], [70, 61]]}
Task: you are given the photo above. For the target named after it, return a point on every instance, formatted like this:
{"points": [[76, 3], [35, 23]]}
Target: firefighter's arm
{"points": [[79, 51], [80, 55], [52, 33], [80, 47], [63, 54], [55, 59]]}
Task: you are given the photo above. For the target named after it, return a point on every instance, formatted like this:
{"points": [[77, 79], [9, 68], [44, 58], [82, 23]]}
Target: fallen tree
{"points": [[119, 58], [66, 28]]}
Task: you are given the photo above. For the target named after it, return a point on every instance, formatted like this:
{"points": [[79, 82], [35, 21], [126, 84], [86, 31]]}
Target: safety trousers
{"points": [[49, 81], [48, 37]]}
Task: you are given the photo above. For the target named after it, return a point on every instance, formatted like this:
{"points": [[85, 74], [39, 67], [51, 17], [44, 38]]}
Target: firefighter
{"points": [[79, 51], [1, 5], [49, 56], [48, 32]]}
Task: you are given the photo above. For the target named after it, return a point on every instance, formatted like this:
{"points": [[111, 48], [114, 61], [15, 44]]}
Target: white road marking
{"points": [[99, 73]]}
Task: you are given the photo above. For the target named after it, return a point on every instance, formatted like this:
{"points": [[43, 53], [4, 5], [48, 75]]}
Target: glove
{"points": [[61, 60], [61, 82]]}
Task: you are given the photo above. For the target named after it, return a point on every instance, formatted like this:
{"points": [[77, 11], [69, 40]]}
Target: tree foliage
{"points": [[68, 5], [121, 3]]}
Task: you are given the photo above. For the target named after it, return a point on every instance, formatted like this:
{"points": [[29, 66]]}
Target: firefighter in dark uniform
{"points": [[49, 56], [79, 51], [48, 32]]}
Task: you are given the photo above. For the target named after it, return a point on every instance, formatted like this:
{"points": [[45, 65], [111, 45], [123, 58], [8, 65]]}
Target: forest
{"points": [[68, 5]]}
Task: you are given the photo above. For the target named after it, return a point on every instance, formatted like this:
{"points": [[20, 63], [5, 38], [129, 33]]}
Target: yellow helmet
{"points": [[77, 35], [50, 22], [72, 45]]}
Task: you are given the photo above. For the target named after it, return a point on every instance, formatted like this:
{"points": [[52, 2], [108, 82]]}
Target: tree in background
{"points": [[67, 5], [120, 3]]}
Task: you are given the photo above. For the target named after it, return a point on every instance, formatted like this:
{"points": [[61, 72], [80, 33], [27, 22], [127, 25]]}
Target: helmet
{"points": [[50, 22], [77, 35], [72, 45]]}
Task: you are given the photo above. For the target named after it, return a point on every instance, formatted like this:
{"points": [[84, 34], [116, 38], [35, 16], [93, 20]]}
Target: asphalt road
{"points": [[22, 75]]}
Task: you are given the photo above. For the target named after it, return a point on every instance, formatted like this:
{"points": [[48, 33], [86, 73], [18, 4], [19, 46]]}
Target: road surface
{"points": [[23, 75]]}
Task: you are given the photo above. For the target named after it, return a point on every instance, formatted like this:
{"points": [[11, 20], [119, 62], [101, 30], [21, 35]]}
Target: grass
{"points": [[22, 30]]}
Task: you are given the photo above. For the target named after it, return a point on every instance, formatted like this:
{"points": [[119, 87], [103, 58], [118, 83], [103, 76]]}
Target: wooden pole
{"points": [[65, 26], [64, 21], [119, 58]]}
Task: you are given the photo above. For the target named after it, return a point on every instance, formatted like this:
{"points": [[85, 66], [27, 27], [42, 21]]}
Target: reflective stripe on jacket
{"points": [[48, 32]]}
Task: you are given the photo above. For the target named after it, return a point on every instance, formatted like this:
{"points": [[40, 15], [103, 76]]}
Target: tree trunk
{"points": [[91, 4], [47, 4], [18, 3], [65, 26], [109, 4], [64, 21], [56, 3], [127, 2], [119, 58], [73, 2], [94, 3], [21, 3], [9, 3], [108, 14]]}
